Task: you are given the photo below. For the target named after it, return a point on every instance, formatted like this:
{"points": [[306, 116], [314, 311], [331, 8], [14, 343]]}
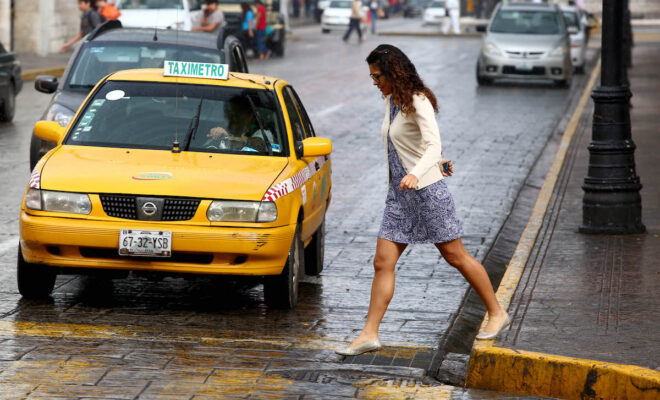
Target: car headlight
{"points": [[491, 50], [242, 211], [59, 114], [64, 202], [559, 51]]}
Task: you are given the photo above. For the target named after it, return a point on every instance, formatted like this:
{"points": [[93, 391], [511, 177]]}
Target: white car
{"points": [[435, 13], [337, 15], [162, 14], [576, 24]]}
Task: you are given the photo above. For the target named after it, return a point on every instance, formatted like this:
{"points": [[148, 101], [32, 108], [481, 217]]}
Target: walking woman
{"points": [[418, 208]]}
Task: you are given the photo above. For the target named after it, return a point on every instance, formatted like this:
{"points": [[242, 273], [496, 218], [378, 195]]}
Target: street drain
{"points": [[354, 377]]}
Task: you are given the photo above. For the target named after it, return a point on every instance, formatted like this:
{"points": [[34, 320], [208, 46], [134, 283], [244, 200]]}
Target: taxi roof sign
{"points": [[196, 70]]}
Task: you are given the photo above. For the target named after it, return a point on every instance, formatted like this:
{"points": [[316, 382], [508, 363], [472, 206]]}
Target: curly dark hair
{"points": [[406, 83]]}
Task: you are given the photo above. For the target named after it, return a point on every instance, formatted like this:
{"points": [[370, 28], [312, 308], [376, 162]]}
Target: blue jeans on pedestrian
{"points": [[259, 38], [374, 17], [353, 24]]}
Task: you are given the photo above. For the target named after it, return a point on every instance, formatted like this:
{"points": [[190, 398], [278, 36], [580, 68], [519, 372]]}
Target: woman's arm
{"points": [[425, 117]]}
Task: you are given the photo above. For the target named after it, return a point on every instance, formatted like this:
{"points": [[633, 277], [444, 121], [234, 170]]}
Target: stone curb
{"points": [[30, 74], [540, 374]]}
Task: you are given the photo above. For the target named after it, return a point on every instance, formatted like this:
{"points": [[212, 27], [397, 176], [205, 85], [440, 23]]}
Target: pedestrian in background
{"points": [[419, 207], [373, 11], [354, 21], [454, 14], [88, 22], [107, 10], [247, 28], [261, 30]]}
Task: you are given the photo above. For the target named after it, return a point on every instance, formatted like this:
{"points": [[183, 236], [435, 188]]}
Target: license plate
{"points": [[135, 242], [525, 67]]}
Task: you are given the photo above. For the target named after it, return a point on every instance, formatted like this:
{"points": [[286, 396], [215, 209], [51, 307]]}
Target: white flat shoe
{"points": [[492, 335], [371, 345]]}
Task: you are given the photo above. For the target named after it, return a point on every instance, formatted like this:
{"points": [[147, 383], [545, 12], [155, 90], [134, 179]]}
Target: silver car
{"points": [[576, 24], [525, 40]]}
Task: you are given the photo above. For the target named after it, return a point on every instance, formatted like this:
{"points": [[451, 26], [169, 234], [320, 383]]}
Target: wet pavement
{"points": [[143, 337]]}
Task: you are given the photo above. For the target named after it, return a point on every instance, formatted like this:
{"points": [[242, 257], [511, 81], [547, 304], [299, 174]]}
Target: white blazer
{"points": [[416, 138]]}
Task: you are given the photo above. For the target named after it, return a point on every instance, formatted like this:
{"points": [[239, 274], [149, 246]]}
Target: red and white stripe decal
{"points": [[35, 179], [287, 186]]}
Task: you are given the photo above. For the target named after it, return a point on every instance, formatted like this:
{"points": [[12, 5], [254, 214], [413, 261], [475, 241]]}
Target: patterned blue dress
{"points": [[427, 215]]}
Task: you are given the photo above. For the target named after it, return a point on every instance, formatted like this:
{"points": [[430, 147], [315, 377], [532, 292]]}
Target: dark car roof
{"points": [[167, 36]]}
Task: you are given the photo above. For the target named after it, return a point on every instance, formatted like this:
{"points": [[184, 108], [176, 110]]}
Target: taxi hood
{"points": [[87, 169]]}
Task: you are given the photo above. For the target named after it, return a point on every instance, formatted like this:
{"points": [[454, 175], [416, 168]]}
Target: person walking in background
{"points": [[373, 11], [247, 28], [107, 10], [261, 30], [88, 22], [419, 207], [454, 13], [354, 22]]}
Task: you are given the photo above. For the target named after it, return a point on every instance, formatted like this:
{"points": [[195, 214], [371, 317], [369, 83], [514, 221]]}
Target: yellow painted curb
{"points": [[502, 369], [540, 374], [30, 74]]}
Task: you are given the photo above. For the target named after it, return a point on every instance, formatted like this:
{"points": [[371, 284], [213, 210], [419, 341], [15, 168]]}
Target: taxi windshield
{"points": [[97, 61], [201, 118]]}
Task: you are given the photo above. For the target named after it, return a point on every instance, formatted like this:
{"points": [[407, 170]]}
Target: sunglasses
{"points": [[376, 77]]}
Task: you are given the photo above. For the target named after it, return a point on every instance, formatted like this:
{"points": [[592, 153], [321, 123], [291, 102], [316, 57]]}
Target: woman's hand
{"points": [[217, 132], [451, 167], [408, 182]]}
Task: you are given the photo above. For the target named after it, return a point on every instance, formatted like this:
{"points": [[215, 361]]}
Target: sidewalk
{"points": [[585, 308]]}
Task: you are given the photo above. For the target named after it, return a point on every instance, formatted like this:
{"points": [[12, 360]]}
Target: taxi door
{"points": [[312, 214]]}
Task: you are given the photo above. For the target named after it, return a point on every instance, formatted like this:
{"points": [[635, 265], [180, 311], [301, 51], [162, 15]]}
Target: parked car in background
{"points": [[435, 13], [338, 15], [525, 40], [110, 48], [275, 38], [10, 84], [162, 14], [577, 26], [414, 8]]}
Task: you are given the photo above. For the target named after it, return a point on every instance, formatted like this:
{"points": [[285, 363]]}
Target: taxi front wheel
{"points": [[315, 251], [281, 291], [34, 281]]}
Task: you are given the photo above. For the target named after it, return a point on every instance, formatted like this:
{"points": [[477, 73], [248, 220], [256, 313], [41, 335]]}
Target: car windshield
{"points": [[340, 4], [149, 4], [98, 60], [527, 22], [571, 19], [438, 4], [147, 115]]}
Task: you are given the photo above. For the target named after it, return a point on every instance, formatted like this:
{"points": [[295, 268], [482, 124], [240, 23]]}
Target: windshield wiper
{"points": [[261, 126], [192, 127]]}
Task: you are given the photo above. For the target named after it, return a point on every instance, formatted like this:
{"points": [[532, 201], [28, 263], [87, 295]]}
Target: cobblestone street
{"points": [[175, 338]]}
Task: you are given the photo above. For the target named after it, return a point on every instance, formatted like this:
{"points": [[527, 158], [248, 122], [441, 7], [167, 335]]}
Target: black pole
{"points": [[612, 203]]}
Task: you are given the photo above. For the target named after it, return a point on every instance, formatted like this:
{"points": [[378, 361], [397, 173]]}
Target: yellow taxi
{"points": [[187, 169]]}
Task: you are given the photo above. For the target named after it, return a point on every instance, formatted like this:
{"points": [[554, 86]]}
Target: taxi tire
{"points": [[8, 108], [34, 281], [281, 291], [314, 252]]}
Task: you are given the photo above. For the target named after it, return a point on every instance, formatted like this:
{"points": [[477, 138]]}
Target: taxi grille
{"points": [[126, 206]]}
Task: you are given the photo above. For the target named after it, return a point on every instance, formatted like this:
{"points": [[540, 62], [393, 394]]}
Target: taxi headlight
{"points": [[59, 114], [242, 211], [45, 200]]}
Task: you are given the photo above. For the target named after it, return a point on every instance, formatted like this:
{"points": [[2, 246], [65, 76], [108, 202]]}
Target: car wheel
{"points": [[482, 80], [579, 69], [281, 291], [279, 46], [35, 150], [34, 281], [323, 30], [315, 251], [9, 105]]}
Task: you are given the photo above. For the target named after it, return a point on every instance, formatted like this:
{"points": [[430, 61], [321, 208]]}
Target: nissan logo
{"points": [[149, 208]]}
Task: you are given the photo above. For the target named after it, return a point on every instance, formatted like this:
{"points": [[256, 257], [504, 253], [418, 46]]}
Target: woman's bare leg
{"points": [[475, 273], [382, 287]]}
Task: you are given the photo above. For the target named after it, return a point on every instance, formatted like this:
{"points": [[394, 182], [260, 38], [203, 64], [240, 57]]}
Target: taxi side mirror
{"points": [[49, 130], [316, 146]]}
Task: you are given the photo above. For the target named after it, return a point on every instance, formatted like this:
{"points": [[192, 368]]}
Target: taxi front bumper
{"points": [[83, 243]]}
